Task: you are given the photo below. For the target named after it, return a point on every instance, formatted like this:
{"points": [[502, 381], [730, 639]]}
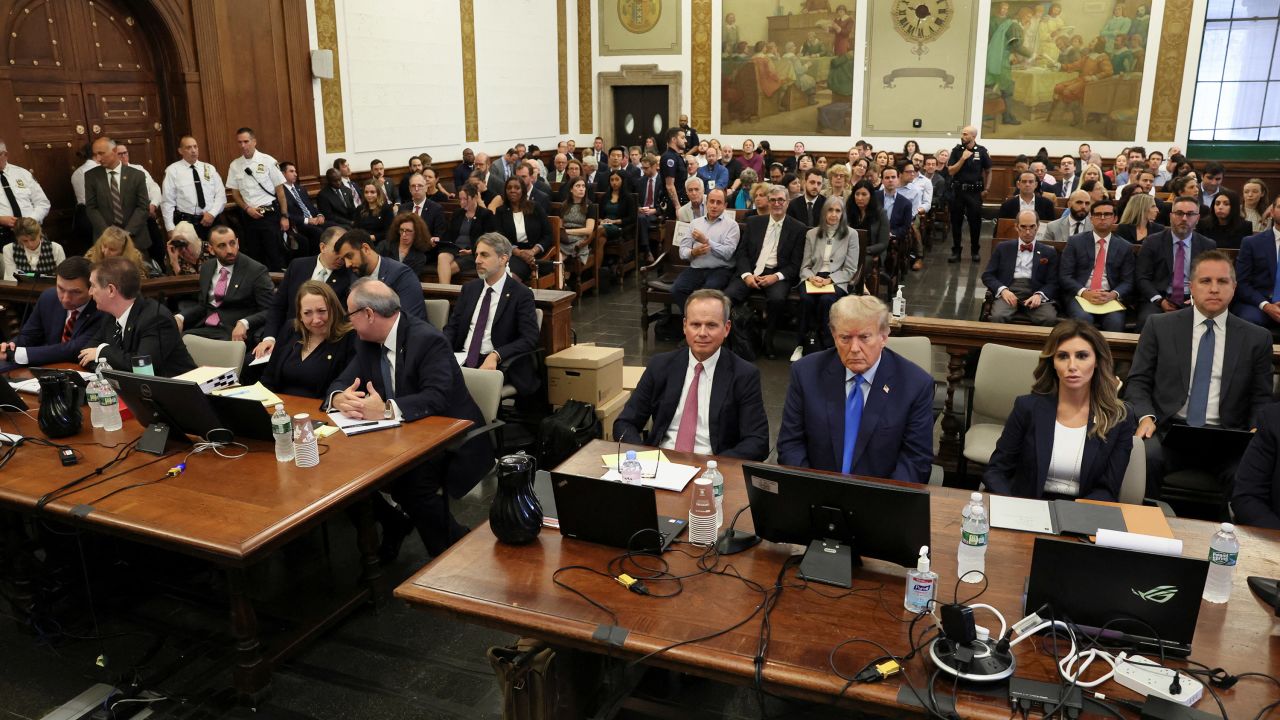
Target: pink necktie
{"points": [[1099, 266], [219, 291], [689, 417]]}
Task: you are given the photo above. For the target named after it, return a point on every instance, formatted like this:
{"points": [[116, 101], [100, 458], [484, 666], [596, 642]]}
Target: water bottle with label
{"points": [[91, 399], [630, 470], [972, 554], [717, 485], [1224, 549], [110, 405], [282, 431]]}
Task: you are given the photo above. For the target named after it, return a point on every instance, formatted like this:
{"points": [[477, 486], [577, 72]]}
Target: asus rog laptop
{"points": [[1094, 586], [612, 513]]}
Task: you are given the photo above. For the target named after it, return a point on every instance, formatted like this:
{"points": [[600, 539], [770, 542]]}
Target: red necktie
{"points": [[689, 417], [648, 193], [1026, 247], [70, 325], [1099, 266], [417, 209]]}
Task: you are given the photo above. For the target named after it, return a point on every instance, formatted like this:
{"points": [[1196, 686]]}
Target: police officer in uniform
{"points": [[672, 169], [970, 171], [193, 191], [257, 186], [20, 196]]}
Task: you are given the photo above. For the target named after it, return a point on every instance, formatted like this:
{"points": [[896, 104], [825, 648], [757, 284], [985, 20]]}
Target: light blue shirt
{"points": [[717, 174], [722, 235], [868, 380]]}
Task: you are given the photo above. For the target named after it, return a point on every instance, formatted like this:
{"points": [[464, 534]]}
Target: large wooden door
{"points": [[79, 69], [639, 112]]}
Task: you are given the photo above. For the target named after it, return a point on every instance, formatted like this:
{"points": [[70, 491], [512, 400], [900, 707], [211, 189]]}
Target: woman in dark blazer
{"points": [[1225, 224], [457, 248], [526, 226], [1071, 437], [617, 208], [408, 241], [375, 215], [335, 202], [317, 347]]}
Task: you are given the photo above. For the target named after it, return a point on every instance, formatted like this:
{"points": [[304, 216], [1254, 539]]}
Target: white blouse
{"points": [[1064, 465], [518, 219]]}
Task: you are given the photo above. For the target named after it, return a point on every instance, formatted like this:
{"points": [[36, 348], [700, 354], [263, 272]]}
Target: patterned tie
{"points": [[1099, 266], [195, 178], [388, 377], [1176, 295], [1198, 403], [117, 208], [1026, 247], [689, 416], [477, 333], [852, 419], [219, 290], [8, 195], [70, 325], [117, 335]]}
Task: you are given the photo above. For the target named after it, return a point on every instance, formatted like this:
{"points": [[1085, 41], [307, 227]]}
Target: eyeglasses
{"points": [[1183, 213], [777, 200], [1103, 214], [348, 316]]}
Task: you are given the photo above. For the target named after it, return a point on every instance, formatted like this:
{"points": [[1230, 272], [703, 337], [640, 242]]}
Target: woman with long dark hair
{"points": [[1224, 224], [526, 226]]}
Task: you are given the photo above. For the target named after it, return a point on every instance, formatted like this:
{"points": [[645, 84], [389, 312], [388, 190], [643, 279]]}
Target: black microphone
{"points": [[248, 171]]}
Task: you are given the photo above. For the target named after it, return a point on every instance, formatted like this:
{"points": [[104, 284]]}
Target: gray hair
{"points": [[859, 310], [590, 161], [748, 177], [331, 234], [691, 180], [778, 190], [496, 240], [375, 295], [186, 232], [709, 294]]}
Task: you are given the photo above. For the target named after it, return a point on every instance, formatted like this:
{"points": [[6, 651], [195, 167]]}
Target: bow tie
{"points": [[1026, 247]]}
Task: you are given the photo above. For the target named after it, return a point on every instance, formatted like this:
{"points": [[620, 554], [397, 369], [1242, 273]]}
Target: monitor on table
{"points": [[163, 405], [839, 518]]}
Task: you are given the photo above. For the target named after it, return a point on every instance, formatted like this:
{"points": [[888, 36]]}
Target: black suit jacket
{"points": [[1076, 266], [1155, 263], [1160, 377], [248, 296], [135, 203], [798, 209], [790, 246], [515, 328], [296, 216], [1045, 210], [149, 330], [736, 420], [1256, 494], [432, 214], [1020, 464], [406, 285], [284, 302], [41, 335], [428, 383], [336, 205], [1044, 268]]}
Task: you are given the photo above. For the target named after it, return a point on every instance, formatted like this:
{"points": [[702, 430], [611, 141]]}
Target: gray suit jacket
{"points": [[248, 298], [1160, 378], [1060, 230], [134, 202]]}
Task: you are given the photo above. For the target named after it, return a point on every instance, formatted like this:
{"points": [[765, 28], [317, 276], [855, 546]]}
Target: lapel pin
{"points": [[886, 389]]}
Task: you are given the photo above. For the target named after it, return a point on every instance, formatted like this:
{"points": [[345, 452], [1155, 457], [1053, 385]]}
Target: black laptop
{"points": [[612, 513], [1184, 445], [9, 400], [1094, 586]]}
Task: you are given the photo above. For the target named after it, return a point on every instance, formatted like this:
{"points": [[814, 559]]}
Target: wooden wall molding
{"points": [[1170, 67], [467, 10], [335, 125], [700, 65], [586, 81]]}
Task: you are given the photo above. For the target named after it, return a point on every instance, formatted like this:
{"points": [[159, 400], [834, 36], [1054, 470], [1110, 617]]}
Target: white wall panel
{"points": [[517, 87]]}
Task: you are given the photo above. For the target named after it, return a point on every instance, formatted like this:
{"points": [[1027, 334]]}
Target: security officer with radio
{"points": [[257, 186], [970, 172], [193, 191], [22, 196]]}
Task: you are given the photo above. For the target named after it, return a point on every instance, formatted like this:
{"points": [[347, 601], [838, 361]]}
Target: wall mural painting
{"points": [[1070, 69], [787, 67]]}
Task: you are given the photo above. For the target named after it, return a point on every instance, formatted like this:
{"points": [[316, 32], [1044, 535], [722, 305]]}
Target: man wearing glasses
{"points": [[1164, 263], [1258, 298], [768, 261], [1098, 268]]}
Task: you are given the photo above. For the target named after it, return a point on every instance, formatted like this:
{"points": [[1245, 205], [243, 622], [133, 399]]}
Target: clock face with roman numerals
{"points": [[922, 21]]}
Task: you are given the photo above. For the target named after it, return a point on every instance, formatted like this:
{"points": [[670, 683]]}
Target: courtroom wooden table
{"points": [[230, 512], [484, 582]]}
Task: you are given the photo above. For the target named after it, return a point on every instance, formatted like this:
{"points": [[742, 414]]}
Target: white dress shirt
{"points": [[180, 191], [30, 196], [123, 322], [486, 339], [702, 434], [769, 251], [77, 179], [259, 190], [1063, 477], [154, 195], [1211, 415]]}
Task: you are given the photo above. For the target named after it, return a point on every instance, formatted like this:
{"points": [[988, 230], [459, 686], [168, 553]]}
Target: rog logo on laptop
{"points": [[1158, 594]]}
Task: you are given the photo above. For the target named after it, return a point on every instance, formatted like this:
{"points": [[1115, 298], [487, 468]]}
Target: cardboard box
{"points": [[609, 410], [588, 373], [631, 376]]}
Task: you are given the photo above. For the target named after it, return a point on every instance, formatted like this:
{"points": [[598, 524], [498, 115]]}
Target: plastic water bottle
{"points": [[630, 470], [282, 431], [900, 303], [972, 553], [717, 485], [1224, 548], [91, 398], [110, 405]]}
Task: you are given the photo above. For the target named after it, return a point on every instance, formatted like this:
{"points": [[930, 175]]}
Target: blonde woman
{"points": [[115, 242]]}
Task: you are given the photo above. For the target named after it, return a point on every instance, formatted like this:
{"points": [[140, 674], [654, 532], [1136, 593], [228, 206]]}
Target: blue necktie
{"points": [[1198, 404], [852, 418], [1275, 290]]}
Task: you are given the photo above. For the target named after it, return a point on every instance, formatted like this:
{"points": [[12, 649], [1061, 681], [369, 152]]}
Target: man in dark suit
{"points": [[615, 160], [415, 167], [1068, 180], [304, 216], [489, 176], [1080, 275], [355, 247], [1255, 497], [526, 173], [1028, 199], [65, 319], [138, 326], [768, 261], [390, 191], [327, 267], [1199, 365], [500, 327], [1259, 294], [1023, 276], [699, 398], [235, 292], [116, 194], [430, 211], [1164, 263], [807, 207], [403, 368], [895, 205], [859, 407]]}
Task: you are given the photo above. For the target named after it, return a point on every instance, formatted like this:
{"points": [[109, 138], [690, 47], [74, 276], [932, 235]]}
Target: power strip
{"points": [[1141, 676]]}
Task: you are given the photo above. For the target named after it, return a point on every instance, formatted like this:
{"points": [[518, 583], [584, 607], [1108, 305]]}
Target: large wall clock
{"points": [[921, 21]]}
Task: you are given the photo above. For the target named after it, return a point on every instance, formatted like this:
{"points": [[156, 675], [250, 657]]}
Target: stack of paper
{"points": [[670, 476], [352, 426], [256, 391]]}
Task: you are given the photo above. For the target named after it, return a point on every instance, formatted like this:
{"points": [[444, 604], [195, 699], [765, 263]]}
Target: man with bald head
{"points": [[1023, 275], [116, 194], [492, 179], [970, 171]]}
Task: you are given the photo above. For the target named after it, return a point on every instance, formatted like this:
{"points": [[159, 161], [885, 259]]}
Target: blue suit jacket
{"points": [[294, 210], [515, 328], [401, 279], [899, 215], [1256, 495], [736, 420], [1077, 264], [428, 383], [895, 437], [42, 333], [1020, 464], [1256, 268], [1044, 268]]}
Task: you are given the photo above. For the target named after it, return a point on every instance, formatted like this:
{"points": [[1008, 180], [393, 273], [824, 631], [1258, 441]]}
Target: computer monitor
{"points": [[840, 519], [166, 404], [1268, 590]]}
